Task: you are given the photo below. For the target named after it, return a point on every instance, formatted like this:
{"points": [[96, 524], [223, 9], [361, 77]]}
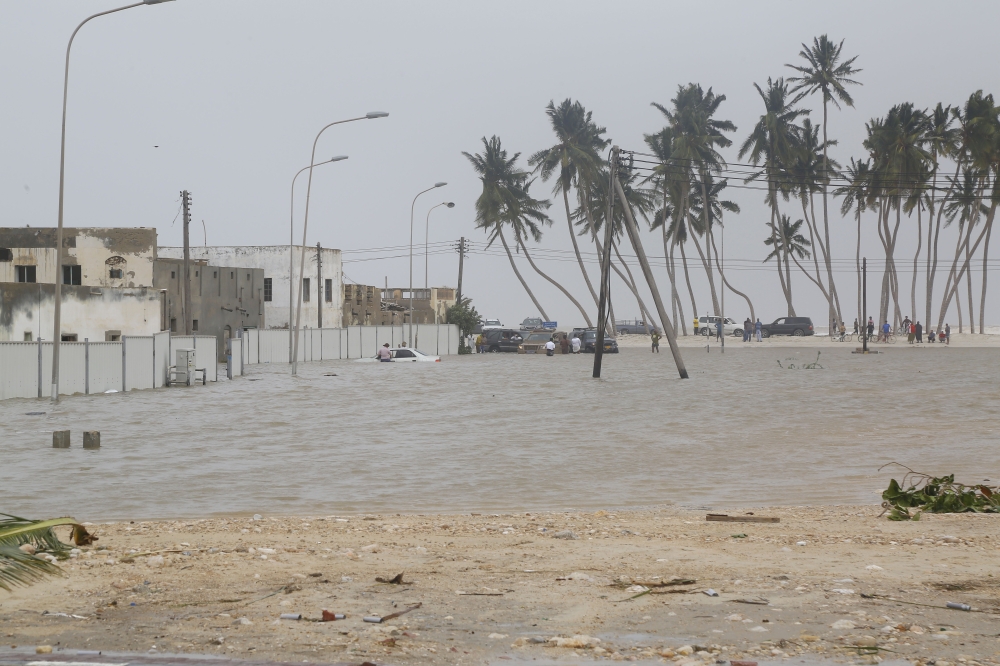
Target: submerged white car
{"points": [[405, 355]]}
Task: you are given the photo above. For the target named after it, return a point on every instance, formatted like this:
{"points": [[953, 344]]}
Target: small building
{"points": [[367, 305], [321, 284]]}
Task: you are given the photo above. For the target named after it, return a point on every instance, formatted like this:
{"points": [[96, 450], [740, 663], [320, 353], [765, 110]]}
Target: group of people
{"points": [[751, 328], [914, 331], [566, 345]]}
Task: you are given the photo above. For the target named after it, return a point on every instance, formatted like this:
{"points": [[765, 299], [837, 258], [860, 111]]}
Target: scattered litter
{"points": [[395, 580], [759, 601], [950, 604], [257, 516], [290, 616], [487, 592], [710, 592], [378, 620], [738, 536], [329, 374], [873, 567], [725, 518], [800, 543], [79, 617], [669, 583], [332, 617]]}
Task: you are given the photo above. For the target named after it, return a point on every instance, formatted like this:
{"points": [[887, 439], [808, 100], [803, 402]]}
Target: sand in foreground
{"points": [[520, 585]]}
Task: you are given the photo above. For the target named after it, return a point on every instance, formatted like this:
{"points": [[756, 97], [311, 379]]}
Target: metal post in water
{"points": [[864, 304]]}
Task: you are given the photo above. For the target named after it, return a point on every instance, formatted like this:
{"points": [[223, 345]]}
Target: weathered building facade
{"points": [[321, 284], [367, 305]]}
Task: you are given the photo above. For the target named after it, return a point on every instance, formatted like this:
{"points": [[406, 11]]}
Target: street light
{"points": [[371, 115], [291, 245], [57, 320], [427, 232], [441, 184]]}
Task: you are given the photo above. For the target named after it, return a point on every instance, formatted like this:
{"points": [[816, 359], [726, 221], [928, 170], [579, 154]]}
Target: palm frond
{"points": [[18, 567]]}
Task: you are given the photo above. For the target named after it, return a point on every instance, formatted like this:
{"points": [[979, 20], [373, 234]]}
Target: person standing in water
{"points": [[655, 338], [384, 353]]}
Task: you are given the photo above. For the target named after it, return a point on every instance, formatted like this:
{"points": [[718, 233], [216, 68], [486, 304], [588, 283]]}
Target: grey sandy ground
{"points": [[521, 587]]}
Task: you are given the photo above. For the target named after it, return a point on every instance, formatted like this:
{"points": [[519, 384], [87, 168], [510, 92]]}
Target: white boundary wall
{"points": [[136, 362], [328, 344]]}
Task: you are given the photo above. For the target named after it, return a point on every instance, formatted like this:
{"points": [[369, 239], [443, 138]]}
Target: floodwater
{"points": [[507, 432]]}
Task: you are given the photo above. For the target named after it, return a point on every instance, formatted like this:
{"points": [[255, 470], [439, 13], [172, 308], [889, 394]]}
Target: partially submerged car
{"points": [[405, 355], [534, 342]]}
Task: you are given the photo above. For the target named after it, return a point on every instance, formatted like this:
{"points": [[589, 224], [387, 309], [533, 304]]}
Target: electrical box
{"points": [[184, 366]]}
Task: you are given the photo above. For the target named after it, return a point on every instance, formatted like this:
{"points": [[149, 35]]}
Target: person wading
{"points": [[564, 344], [655, 338], [384, 353]]}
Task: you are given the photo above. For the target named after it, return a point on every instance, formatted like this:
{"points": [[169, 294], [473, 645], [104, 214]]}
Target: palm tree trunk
{"points": [[585, 202], [826, 221], [916, 258], [687, 278], [708, 230], [600, 253], [518, 274], [776, 226], [708, 271], [966, 265], [646, 316], [968, 280], [576, 247], [678, 306], [814, 238], [633, 233], [932, 271], [725, 282], [517, 237], [982, 295]]}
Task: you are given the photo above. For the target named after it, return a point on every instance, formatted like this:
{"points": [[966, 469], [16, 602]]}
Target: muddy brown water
{"points": [[508, 432]]}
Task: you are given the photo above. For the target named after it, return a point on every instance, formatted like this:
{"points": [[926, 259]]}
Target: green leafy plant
{"points": [[935, 494], [20, 567], [463, 314]]}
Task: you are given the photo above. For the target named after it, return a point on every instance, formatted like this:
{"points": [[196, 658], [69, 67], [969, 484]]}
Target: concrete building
{"points": [[321, 288], [367, 305], [115, 284]]}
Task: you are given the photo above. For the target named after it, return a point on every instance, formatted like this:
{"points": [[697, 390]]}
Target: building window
{"points": [[305, 289], [112, 336], [215, 274], [68, 337], [194, 324], [196, 273], [25, 273], [328, 291], [6, 254], [232, 274], [173, 324], [72, 275], [116, 267], [268, 293], [27, 336], [173, 274]]}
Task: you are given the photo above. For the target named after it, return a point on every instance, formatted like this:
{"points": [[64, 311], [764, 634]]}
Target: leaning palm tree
{"points": [[825, 73], [942, 141], [772, 144], [856, 195], [21, 542], [579, 147], [498, 205]]}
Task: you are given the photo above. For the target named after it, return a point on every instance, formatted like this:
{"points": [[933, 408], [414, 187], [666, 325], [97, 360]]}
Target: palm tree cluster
{"points": [[679, 187]]}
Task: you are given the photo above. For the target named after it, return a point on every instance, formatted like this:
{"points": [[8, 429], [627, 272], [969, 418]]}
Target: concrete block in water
{"points": [[60, 439], [92, 439]]}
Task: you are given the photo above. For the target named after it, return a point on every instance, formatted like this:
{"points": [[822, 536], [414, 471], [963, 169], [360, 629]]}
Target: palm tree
{"points": [[966, 207], [942, 141], [24, 567], [790, 245], [697, 137], [856, 195], [826, 74], [500, 203], [772, 143], [578, 150]]}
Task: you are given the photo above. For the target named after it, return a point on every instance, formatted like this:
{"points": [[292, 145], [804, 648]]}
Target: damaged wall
{"points": [[26, 311]]}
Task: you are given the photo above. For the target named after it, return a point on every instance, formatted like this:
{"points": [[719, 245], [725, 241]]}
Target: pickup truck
{"points": [[633, 327]]}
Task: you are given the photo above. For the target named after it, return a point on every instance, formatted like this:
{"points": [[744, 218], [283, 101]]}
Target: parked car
{"points": [[405, 355], [490, 324], [707, 326], [502, 340], [796, 326], [589, 340], [531, 323], [633, 327], [534, 342]]}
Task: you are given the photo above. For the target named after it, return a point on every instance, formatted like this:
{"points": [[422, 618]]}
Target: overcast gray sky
{"points": [[233, 93]]}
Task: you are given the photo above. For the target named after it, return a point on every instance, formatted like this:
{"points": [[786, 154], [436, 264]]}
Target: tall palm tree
{"points": [[697, 137], [772, 144], [579, 147], [856, 195], [500, 203], [942, 141], [826, 74], [967, 208], [791, 245]]}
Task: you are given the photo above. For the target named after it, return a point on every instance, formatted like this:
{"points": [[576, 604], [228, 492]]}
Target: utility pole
{"points": [[462, 249], [604, 302], [864, 305], [186, 203], [321, 292]]}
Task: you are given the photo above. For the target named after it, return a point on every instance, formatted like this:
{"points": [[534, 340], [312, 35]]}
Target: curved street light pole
{"points": [[412, 206], [305, 229], [57, 319], [427, 235], [291, 253]]}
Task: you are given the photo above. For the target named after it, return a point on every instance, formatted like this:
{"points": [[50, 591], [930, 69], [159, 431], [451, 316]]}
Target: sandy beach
{"points": [[820, 584]]}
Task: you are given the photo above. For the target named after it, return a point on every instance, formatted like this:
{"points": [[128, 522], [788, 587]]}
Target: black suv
{"points": [[502, 340], [589, 340], [797, 326]]}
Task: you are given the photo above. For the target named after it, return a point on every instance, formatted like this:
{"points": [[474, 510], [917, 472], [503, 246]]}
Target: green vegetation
{"points": [[940, 494], [463, 314], [24, 566]]}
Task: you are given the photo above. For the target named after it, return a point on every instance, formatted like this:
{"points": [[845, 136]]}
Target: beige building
{"points": [[373, 306]]}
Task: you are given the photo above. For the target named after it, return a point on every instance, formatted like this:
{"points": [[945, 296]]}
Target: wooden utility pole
{"points": [[186, 204], [320, 291], [604, 302], [633, 234], [462, 249]]}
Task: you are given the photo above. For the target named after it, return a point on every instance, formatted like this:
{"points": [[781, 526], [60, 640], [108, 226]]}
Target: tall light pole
{"points": [[57, 320], [412, 206], [305, 229], [427, 235], [291, 257]]}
